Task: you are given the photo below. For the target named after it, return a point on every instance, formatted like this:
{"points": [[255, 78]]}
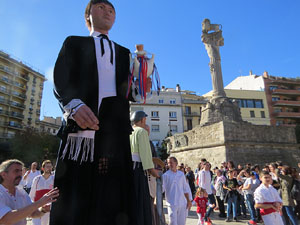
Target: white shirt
{"points": [[30, 177], [40, 183], [266, 194], [254, 184], [175, 186], [106, 74], [205, 181], [8, 202]]}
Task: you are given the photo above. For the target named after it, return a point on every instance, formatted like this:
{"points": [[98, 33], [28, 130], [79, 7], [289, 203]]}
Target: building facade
{"points": [[164, 113], [192, 105], [21, 89], [50, 125], [283, 96]]}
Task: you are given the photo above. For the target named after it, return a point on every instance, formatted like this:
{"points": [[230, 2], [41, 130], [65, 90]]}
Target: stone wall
{"points": [[239, 142]]}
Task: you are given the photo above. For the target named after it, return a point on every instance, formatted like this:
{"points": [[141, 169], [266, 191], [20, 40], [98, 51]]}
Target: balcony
{"points": [[6, 135], [192, 114], [4, 91], [286, 92], [11, 124], [16, 115], [286, 103], [19, 95], [11, 72], [16, 104], [4, 113], [22, 86], [287, 115], [4, 101]]}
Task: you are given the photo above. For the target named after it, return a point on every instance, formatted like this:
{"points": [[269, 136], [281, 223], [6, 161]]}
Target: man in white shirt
{"points": [[205, 183], [30, 175], [268, 200], [177, 192], [15, 204], [42, 184]]}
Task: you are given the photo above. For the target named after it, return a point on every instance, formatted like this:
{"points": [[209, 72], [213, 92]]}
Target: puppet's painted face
{"points": [[102, 17]]}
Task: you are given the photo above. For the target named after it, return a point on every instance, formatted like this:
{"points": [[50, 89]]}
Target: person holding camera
{"points": [[231, 185]]}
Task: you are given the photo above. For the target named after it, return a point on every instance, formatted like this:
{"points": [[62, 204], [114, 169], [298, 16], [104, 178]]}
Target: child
{"points": [[201, 202], [268, 200]]}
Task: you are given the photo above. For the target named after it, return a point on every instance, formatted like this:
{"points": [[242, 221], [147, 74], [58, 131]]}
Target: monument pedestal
{"points": [[240, 142], [220, 109]]}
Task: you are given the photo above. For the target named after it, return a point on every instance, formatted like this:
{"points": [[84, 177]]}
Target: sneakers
{"points": [[236, 219], [227, 220], [252, 222]]}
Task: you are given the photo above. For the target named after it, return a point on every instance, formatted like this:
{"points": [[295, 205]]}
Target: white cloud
{"points": [[49, 74]]}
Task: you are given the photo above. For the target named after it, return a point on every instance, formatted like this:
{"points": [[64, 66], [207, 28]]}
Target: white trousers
{"points": [[177, 215], [44, 220], [200, 219], [272, 219]]}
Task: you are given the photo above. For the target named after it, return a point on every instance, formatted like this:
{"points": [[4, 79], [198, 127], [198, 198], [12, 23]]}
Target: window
{"points": [[172, 101], [279, 122], [188, 110], [262, 113], [273, 88], [172, 114], [161, 101], [155, 114], [250, 103], [173, 128], [274, 99], [155, 128], [252, 114], [258, 103], [189, 124]]}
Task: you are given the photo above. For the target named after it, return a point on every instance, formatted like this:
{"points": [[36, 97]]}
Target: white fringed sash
{"points": [[83, 142]]}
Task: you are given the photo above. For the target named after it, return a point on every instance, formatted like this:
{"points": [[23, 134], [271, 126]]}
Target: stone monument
{"points": [[219, 108], [222, 134]]}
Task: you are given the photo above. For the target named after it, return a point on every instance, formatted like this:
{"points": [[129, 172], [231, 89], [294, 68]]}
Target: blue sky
{"points": [[259, 35]]}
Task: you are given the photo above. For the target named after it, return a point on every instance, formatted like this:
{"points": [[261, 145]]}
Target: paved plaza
{"points": [[193, 218]]}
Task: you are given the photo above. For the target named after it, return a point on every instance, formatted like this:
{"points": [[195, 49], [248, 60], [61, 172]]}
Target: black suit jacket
{"points": [[76, 77]]}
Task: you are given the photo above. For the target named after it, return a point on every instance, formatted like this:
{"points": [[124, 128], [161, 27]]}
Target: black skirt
{"points": [[144, 212], [89, 196]]}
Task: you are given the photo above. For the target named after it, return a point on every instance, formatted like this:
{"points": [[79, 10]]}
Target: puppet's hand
{"points": [[85, 118]]}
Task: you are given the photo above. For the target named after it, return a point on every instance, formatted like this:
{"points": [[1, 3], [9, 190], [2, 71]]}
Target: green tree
{"points": [[30, 145], [163, 150]]}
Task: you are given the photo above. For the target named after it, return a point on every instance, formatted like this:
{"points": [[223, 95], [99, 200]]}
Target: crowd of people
{"points": [[270, 194]]}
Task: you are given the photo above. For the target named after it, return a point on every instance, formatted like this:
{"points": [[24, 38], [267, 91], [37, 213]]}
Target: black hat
{"points": [[103, 1], [137, 116]]}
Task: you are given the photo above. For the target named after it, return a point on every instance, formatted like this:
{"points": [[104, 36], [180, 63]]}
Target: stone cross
{"points": [[212, 39]]}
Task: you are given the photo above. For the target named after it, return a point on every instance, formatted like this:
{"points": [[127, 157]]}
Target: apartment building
{"points": [[164, 113], [21, 89], [283, 96]]}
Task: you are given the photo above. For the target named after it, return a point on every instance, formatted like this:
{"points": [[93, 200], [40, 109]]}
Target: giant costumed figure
{"points": [[94, 166]]}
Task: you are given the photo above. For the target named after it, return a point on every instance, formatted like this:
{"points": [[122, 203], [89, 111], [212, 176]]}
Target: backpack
{"points": [[295, 191]]}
